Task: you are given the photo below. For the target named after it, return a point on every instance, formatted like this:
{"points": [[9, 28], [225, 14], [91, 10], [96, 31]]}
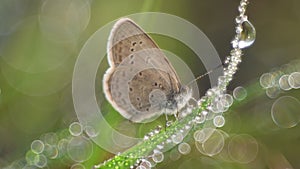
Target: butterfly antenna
{"points": [[207, 73]]}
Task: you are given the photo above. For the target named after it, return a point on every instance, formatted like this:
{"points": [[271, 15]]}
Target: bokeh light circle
{"points": [[284, 82], [80, 149], [77, 166], [37, 146], [266, 80], [184, 148], [63, 20], [294, 80], [239, 93], [285, 112], [158, 156], [213, 143], [243, 148], [75, 129], [219, 121], [41, 161]]}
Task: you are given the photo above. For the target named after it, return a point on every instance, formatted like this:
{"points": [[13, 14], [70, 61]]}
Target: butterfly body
{"points": [[141, 83]]}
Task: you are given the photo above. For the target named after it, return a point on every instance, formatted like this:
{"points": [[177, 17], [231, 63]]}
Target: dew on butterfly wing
{"points": [[248, 35], [285, 112]]}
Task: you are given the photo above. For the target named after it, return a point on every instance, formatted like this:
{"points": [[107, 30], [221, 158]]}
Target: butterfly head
{"points": [[183, 97]]}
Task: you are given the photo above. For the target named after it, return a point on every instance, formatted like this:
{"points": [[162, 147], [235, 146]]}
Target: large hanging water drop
{"points": [[247, 35]]}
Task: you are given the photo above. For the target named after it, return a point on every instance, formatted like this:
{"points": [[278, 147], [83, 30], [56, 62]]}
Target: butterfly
{"points": [[141, 83]]}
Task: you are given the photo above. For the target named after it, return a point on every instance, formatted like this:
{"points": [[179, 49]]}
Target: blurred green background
{"points": [[40, 41]]}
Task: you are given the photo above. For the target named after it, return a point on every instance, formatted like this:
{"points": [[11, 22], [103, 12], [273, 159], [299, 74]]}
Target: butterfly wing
{"points": [[140, 79]]}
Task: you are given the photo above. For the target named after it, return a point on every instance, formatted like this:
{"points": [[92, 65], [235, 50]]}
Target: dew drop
{"points": [[239, 93], [184, 148], [37, 146], [200, 119], [248, 35], [75, 129], [285, 112]]}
